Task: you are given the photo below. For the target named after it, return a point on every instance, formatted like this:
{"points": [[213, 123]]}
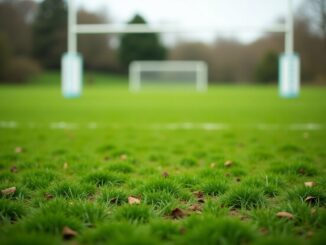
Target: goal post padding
{"points": [[289, 75], [71, 75]]}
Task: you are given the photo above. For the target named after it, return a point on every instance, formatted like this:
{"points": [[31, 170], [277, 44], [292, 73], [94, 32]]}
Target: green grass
{"points": [[75, 163]]}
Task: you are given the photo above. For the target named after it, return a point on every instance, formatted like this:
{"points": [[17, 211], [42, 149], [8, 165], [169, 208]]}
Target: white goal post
{"points": [[200, 69], [289, 64]]}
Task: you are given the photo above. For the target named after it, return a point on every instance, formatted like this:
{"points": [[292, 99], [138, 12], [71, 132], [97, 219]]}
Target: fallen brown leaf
{"points": [[285, 215], [18, 149], [237, 179], [228, 163], [305, 135], [8, 191], [133, 200], [177, 213], [198, 194], [182, 230], [13, 169], [165, 174], [68, 233], [309, 184], [201, 200], [310, 234], [48, 196], [234, 212], [302, 171], [195, 207], [264, 231], [123, 157], [91, 198], [310, 199]]}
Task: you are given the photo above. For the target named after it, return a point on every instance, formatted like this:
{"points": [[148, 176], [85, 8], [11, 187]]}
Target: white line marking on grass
{"points": [[8, 124], [206, 126], [306, 126], [264, 126], [214, 126], [191, 126], [92, 125], [63, 125]]}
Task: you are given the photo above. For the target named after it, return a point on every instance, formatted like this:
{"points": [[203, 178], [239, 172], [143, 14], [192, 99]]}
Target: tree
{"points": [[50, 33], [5, 55], [15, 41], [96, 51], [14, 26], [140, 46], [267, 69], [317, 13]]}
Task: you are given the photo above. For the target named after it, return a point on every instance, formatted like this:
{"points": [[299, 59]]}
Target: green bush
{"points": [[4, 56], [22, 70], [267, 69]]}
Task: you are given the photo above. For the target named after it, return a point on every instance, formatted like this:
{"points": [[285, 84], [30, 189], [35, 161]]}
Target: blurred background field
{"points": [[107, 100]]}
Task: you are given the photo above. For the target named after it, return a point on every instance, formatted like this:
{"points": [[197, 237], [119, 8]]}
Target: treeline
{"points": [[34, 36], [234, 61]]}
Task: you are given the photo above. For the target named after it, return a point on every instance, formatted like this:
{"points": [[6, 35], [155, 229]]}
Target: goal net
{"points": [[153, 75]]}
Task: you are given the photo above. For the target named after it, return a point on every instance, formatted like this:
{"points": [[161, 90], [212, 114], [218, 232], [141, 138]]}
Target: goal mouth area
{"points": [[168, 75]]}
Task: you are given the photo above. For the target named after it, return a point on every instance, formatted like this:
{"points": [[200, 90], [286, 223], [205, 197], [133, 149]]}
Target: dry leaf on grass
{"points": [[234, 212], [200, 196], [18, 149], [133, 200], [195, 208], [313, 211], [264, 231], [65, 165], [165, 174], [123, 157], [309, 184], [182, 230], [285, 215], [310, 233], [228, 163], [13, 169], [68, 233], [302, 171], [177, 213], [8, 191], [201, 200], [48, 196], [310, 199], [213, 165]]}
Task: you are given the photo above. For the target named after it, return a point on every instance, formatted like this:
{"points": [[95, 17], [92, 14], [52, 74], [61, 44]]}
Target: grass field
{"points": [[212, 168]]}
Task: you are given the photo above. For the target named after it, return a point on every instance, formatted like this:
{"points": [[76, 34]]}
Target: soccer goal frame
{"points": [[288, 66], [137, 67]]}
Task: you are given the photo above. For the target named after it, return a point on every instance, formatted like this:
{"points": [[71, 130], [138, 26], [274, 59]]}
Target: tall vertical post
{"points": [[289, 40], [289, 62], [72, 22], [71, 62]]}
